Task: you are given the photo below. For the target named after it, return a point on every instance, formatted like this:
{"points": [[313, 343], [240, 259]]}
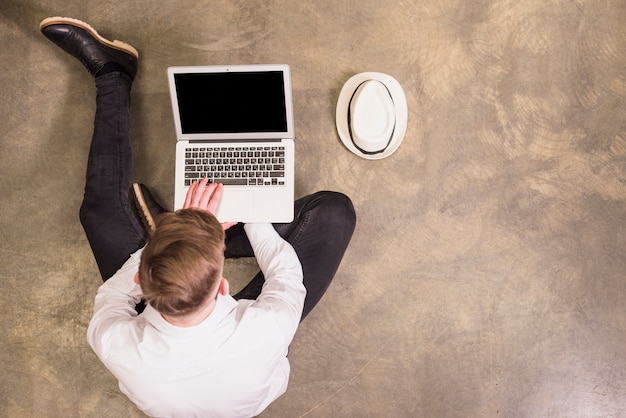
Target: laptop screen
{"points": [[231, 102]]}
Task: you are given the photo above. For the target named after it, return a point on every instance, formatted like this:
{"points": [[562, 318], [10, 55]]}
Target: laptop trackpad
{"points": [[236, 205]]}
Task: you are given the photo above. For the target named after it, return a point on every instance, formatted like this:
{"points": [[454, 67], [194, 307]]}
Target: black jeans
{"points": [[320, 233]]}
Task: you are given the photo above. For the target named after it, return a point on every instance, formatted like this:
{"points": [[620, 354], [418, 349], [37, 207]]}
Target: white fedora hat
{"points": [[371, 115]]}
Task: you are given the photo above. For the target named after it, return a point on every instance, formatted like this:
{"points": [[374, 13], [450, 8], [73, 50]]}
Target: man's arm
{"points": [[115, 302], [283, 291]]}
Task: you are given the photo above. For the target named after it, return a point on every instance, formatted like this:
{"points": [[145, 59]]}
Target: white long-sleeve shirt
{"points": [[233, 364]]}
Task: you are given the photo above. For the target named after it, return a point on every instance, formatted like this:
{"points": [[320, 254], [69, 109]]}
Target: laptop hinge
{"points": [[227, 141]]}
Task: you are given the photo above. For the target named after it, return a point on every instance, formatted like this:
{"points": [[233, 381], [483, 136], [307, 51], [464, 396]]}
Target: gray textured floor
{"points": [[486, 276]]}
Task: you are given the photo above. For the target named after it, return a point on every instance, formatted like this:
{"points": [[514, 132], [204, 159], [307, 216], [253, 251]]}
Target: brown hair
{"points": [[182, 262]]}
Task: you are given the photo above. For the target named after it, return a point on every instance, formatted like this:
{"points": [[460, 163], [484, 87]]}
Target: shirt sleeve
{"points": [[115, 302], [283, 291]]}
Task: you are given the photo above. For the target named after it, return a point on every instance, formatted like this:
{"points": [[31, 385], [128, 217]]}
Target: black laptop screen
{"points": [[231, 102]]}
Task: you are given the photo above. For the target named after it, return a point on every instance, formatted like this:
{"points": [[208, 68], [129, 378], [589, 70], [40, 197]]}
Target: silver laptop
{"points": [[234, 125]]}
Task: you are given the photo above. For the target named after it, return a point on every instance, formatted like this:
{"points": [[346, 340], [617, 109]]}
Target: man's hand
{"points": [[203, 196]]}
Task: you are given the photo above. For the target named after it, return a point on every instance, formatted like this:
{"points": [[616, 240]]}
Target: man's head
{"points": [[182, 263]]}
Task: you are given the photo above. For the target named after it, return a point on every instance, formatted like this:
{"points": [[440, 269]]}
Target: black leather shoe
{"points": [[83, 42], [146, 206]]}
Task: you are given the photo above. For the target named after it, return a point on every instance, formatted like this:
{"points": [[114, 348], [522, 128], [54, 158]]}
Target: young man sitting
{"points": [[194, 350]]}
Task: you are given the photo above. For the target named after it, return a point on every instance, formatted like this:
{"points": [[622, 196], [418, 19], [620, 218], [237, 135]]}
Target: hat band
{"points": [[350, 123]]}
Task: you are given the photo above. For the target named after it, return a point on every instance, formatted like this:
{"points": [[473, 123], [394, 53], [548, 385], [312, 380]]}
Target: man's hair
{"points": [[182, 262]]}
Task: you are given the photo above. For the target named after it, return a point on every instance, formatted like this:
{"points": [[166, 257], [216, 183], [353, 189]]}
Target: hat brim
{"points": [[343, 108]]}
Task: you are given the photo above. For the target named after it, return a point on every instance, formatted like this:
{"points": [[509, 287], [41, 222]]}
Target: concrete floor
{"points": [[486, 276]]}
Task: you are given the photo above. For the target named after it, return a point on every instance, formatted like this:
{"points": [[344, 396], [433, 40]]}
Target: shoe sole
{"points": [[144, 210], [115, 44]]}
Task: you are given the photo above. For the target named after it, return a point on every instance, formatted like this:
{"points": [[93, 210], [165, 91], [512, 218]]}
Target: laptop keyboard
{"points": [[236, 166]]}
